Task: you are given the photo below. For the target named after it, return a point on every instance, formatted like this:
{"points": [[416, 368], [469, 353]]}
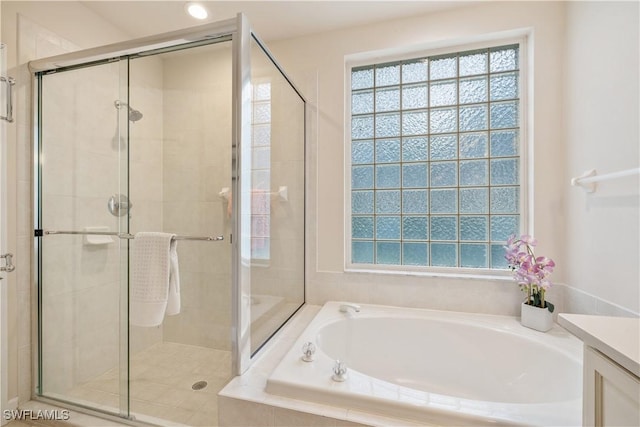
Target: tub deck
{"points": [[293, 378]]}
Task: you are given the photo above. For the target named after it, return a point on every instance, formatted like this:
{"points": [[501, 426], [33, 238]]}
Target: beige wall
{"points": [[601, 115]]}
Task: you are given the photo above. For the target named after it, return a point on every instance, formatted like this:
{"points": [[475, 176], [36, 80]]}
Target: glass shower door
{"points": [[83, 184], [273, 249], [180, 161]]}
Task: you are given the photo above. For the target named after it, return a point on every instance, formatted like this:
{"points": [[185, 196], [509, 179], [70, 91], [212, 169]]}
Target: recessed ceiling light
{"points": [[196, 10]]}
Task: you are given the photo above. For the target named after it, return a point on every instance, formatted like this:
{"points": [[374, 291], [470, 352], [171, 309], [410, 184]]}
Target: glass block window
{"points": [[261, 172], [435, 159]]}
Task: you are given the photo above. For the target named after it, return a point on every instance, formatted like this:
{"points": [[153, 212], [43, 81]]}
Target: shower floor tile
{"points": [[161, 384]]}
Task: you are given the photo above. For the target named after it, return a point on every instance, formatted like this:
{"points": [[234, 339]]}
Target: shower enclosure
{"points": [[196, 133]]}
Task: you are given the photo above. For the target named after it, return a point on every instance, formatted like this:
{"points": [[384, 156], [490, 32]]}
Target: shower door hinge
{"points": [[9, 82], [8, 262]]}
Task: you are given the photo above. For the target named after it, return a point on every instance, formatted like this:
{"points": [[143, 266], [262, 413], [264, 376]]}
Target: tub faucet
{"points": [[339, 371], [344, 308]]}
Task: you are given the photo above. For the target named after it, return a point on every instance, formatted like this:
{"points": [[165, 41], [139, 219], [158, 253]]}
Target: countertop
{"points": [[616, 337]]}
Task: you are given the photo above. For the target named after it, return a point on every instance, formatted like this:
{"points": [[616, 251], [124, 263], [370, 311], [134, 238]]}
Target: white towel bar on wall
{"points": [[589, 179]]}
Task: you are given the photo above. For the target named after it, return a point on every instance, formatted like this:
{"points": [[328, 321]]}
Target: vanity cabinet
{"points": [[611, 364], [611, 393]]}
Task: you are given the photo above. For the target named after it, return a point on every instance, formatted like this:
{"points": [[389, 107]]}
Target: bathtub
{"points": [[437, 367]]}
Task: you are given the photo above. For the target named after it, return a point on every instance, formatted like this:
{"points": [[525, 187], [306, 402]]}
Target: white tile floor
{"points": [[160, 387]]}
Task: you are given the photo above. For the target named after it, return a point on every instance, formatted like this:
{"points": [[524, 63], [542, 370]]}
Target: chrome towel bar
{"points": [[127, 235]]}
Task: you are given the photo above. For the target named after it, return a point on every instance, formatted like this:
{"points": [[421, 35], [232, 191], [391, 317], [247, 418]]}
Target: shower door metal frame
{"points": [[239, 31], [241, 136]]}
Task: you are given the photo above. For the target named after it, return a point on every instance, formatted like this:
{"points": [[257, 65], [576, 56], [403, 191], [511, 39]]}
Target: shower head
{"points": [[134, 115]]}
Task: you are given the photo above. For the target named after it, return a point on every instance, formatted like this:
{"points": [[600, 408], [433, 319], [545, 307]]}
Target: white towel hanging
{"points": [[155, 286], [173, 303]]}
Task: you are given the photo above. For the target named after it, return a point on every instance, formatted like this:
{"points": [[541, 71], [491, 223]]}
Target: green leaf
{"points": [[536, 300], [550, 306]]}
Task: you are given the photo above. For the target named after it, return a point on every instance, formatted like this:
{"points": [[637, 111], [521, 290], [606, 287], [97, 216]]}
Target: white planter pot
{"points": [[540, 319]]}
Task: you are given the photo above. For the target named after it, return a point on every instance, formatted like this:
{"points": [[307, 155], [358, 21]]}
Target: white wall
{"points": [[602, 121], [316, 63]]}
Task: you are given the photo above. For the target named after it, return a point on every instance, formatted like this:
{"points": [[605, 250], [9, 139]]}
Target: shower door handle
{"points": [[8, 263], [9, 82]]}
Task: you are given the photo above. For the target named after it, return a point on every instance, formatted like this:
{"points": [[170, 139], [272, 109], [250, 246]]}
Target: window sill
{"points": [[256, 262], [473, 274]]}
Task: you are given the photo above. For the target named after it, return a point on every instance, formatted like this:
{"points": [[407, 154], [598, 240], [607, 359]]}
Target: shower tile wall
{"points": [[196, 165]]}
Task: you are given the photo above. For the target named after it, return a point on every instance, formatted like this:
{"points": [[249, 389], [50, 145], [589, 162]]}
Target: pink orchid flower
{"points": [[530, 272]]}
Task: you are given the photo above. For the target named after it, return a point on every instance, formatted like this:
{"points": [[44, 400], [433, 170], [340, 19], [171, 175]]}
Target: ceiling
{"points": [[271, 20]]}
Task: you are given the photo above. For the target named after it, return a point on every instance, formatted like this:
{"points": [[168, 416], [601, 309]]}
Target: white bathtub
{"points": [[437, 367]]}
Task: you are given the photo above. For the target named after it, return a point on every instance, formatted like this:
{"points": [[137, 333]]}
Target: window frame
{"points": [[525, 105]]}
